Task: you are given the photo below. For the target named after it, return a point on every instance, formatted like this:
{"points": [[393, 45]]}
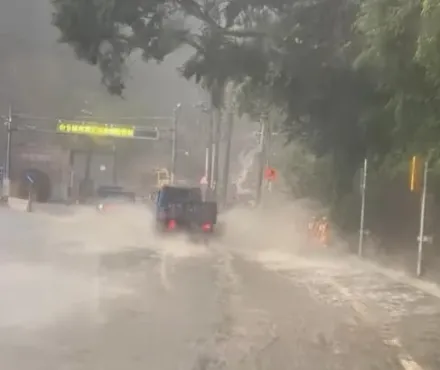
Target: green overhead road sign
{"points": [[146, 133], [94, 129], [99, 129]]}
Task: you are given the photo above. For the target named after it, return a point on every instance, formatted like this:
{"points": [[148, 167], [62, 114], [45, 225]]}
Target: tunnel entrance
{"points": [[42, 185]]}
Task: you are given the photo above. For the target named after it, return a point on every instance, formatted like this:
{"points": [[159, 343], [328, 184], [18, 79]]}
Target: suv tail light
{"points": [[206, 227]]}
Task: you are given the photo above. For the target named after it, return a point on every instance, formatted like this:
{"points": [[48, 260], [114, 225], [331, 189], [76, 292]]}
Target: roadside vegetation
{"points": [[348, 80]]}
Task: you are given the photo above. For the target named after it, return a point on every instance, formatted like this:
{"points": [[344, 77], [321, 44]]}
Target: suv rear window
{"points": [[174, 194]]}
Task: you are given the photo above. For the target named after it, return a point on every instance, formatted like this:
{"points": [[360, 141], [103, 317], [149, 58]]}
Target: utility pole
{"points": [[209, 146], [229, 132], [208, 108], [422, 238], [262, 157], [174, 142], [216, 148], [363, 195], [268, 152], [7, 174], [207, 151]]}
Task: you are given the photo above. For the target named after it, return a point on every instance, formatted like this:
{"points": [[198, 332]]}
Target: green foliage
{"points": [[106, 32], [309, 176], [349, 79], [398, 48]]}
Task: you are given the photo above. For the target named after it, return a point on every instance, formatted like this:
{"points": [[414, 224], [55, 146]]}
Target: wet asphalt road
{"points": [[80, 293]]}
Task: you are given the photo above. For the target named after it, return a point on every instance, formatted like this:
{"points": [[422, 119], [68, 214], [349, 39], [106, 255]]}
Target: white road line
{"points": [[404, 358], [359, 307], [409, 364]]}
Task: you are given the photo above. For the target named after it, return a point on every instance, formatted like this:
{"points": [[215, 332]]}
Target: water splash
{"points": [[246, 159]]}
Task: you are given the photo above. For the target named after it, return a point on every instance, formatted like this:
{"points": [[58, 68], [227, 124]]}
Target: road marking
{"points": [[404, 358], [361, 309], [409, 364]]}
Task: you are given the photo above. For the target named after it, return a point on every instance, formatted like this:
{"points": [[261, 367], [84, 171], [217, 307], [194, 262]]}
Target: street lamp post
{"points": [[174, 141]]}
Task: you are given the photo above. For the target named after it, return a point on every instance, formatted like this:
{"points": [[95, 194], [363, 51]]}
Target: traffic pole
{"points": [[363, 195], [207, 162], [212, 168], [422, 220]]}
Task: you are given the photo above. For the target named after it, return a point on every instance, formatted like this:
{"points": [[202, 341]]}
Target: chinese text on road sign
{"points": [[94, 129]]}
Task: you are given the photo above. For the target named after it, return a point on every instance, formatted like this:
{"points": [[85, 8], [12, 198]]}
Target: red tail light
{"points": [[171, 224], [206, 227]]}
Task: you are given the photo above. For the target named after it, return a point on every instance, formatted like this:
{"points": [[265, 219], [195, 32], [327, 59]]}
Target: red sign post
{"points": [[270, 174]]}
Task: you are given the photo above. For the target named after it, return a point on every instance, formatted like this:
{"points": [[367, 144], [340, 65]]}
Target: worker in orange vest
{"points": [[323, 231]]}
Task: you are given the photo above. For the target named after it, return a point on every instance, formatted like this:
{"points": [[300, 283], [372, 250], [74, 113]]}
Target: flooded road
{"points": [[87, 291]]}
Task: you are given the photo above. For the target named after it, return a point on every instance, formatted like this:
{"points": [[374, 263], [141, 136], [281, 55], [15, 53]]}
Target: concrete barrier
{"points": [[18, 204]]}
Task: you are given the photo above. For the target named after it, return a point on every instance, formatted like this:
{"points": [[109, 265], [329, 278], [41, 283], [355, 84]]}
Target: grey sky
{"points": [[40, 76]]}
